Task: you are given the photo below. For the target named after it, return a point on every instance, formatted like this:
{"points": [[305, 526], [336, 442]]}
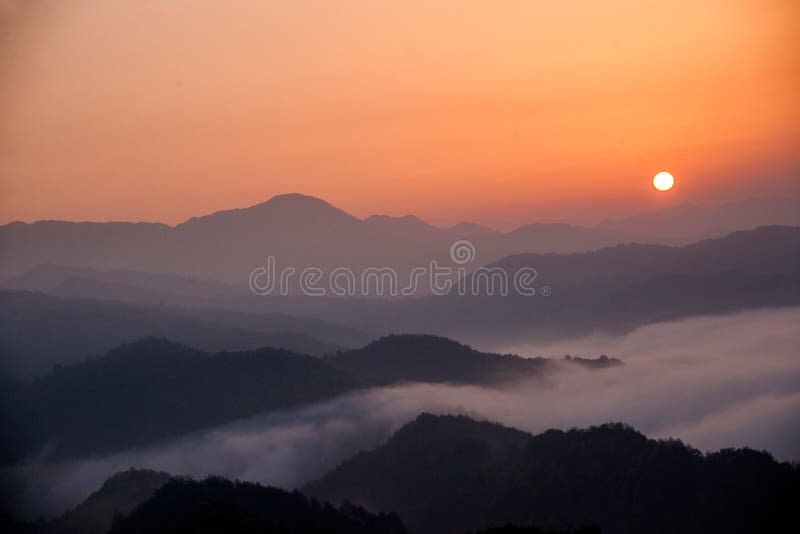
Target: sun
{"points": [[663, 181]]}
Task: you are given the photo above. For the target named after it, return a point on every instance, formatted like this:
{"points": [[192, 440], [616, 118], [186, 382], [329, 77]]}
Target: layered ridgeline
{"points": [[612, 290], [304, 231], [455, 474], [154, 389], [38, 331], [299, 230]]}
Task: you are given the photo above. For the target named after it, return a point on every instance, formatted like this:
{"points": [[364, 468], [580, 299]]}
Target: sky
{"points": [[499, 112]]}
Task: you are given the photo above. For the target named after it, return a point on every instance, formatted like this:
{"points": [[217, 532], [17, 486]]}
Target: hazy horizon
{"points": [[467, 219]]}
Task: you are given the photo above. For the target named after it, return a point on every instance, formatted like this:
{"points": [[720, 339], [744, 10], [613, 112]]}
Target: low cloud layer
{"points": [[714, 382]]}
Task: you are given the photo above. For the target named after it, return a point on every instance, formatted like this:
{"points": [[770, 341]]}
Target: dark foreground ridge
{"points": [[117, 497], [218, 505], [455, 474], [214, 505], [458, 475], [139, 500]]}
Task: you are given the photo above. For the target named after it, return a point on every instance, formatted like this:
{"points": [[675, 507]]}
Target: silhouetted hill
{"points": [[453, 474], [217, 505], [154, 389], [148, 501], [300, 211], [118, 496], [38, 331], [426, 358]]}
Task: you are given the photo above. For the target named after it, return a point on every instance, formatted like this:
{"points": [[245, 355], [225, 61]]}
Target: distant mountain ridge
{"points": [[304, 231], [49, 277], [690, 219], [411, 228], [38, 331], [610, 290], [299, 231], [293, 208], [613, 289]]}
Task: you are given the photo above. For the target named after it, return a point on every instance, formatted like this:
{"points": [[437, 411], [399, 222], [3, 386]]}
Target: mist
{"points": [[713, 382]]}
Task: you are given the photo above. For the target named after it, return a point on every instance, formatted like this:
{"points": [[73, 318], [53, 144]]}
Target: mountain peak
{"points": [[295, 199], [294, 207], [415, 342], [295, 203]]}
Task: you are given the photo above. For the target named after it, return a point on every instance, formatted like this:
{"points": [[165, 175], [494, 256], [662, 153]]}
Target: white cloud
{"points": [[713, 382]]}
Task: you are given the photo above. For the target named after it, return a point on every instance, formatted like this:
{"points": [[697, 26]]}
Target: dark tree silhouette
{"points": [[216, 505], [451, 474]]}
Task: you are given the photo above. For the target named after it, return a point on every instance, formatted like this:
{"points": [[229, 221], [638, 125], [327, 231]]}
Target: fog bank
{"points": [[714, 382]]}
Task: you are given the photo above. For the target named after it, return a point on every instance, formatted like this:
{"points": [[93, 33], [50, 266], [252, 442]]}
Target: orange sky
{"points": [[501, 112]]}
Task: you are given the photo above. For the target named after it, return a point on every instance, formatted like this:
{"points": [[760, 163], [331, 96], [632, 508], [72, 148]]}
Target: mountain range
{"points": [[612, 289], [166, 389], [456, 474], [444, 473], [38, 330], [302, 231], [694, 222]]}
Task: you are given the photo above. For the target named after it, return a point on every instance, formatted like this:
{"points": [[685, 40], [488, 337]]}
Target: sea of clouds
{"points": [[713, 382]]}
